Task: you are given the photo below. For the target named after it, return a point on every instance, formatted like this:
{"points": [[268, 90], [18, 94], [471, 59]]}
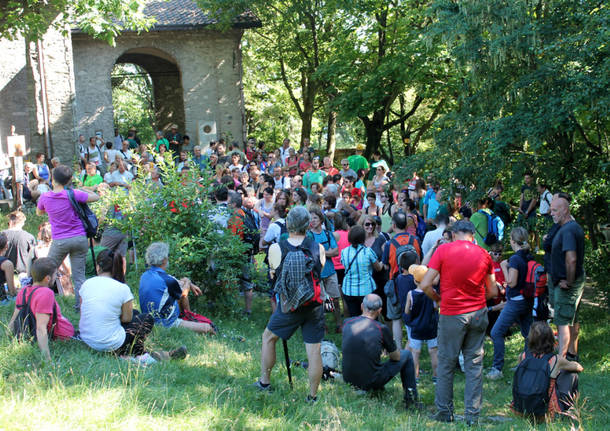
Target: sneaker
{"points": [[494, 374], [311, 400], [179, 353], [434, 380], [441, 417], [258, 385]]}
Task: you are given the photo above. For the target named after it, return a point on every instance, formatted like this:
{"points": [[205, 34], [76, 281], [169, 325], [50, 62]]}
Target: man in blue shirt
{"points": [[162, 296]]}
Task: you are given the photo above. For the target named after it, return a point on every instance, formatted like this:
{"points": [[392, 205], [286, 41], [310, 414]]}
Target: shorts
{"points": [[567, 302], [309, 318], [417, 344], [331, 286]]}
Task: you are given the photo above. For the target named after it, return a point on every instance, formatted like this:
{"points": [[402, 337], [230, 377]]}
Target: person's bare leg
{"points": [[314, 368], [433, 359], [416, 354], [397, 332], [563, 332], [573, 344], [273, 304], [248, 294], [268, 356], [198, 327]]}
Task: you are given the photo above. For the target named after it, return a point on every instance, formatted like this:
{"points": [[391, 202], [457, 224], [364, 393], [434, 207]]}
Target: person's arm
{"points": [[504, 268], [9, 271], [127, 311], [13, 317], [332, 252], [322, 255], [378, 266], [570, 262], [572, 366], [511, 276], [427, 283], [491, 287], [42, 336], [409, 301]]}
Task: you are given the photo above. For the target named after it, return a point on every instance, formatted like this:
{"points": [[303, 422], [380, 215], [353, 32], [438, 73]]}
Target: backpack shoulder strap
{"points": [[353, 259]]}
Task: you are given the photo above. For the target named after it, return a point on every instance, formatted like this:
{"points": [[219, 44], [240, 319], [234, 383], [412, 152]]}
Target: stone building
{"points": [[60, 87]]}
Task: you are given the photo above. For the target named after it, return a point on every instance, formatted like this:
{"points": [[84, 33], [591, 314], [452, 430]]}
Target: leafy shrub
{"points": [[597, 262], [179, 214]]}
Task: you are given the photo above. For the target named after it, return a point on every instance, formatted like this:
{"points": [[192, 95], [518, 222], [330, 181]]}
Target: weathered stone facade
{"points": [[60, 87]]}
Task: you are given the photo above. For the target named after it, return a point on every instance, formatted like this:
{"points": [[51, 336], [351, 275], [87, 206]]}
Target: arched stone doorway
{"points": [[166, 84]]}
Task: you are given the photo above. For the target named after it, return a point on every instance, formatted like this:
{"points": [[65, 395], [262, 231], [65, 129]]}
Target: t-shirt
{"points": [[404, 284], [498, 272], [358, 279], [313, 177], [124, 178], [363, 341], [349, 173], [463, 267], [430, 239], [528, 193], [570, 237], [92, 180], [518, 261], [65, 223], [479, 220], [327, 240], [545, 203], [42, 302], [433, 207], [111, 153], [93, 155], [100, 313], [159, 294], [274, 231], [20, 244], [357, 162]]}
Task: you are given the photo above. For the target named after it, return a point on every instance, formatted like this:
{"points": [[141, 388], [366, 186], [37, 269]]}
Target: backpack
{"points": [[330, 356], [87, 217], [297, 279], [24, 325], [535, 280], [283, 229], [421, 228], [531, 385], [252, 233], [403, 248], [495, 228]]}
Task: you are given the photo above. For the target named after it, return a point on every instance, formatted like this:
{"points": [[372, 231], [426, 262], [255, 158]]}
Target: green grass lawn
{"points": [[211, 389]]}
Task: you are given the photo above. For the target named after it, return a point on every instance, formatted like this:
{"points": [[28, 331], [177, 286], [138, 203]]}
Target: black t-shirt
{"points": [[570, 237], [518, 261], [20, 245], [528, 195], [363, 341]]}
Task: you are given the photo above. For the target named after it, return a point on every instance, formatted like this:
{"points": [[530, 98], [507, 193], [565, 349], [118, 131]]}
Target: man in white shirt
{"points": [[284, 151], [430, 239], [121, 177]]}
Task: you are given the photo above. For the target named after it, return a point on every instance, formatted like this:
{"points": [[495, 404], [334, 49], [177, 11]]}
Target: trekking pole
{"points": [[285, 344], [92, 255], [135, 255]]}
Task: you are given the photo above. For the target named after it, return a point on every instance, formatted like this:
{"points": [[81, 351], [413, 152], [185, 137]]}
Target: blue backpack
{"points": [[495, 228], [421, 228]]}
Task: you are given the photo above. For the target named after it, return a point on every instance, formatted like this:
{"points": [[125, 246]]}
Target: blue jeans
{"points": [[513, 311]]}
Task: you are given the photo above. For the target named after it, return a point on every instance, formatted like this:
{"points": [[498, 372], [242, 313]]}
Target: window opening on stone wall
{"points": [[133, 100]]}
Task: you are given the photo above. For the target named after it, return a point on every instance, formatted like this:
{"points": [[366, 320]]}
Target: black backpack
{"points": [[252, 233], [24, 325], [87, 217], [531, 385]]}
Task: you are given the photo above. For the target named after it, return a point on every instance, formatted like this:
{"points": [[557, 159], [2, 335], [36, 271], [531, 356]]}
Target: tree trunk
{"points": [[374, 131], [331, 139], [309, 98]]}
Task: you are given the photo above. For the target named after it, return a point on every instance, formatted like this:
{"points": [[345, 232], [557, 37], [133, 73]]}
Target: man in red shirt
{"points": [[466, 281]]}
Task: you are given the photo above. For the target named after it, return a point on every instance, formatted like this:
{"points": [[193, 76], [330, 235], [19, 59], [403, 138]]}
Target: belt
{"points": [[517, 298]]}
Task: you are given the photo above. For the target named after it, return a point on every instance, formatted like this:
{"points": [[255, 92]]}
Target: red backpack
{"points": [[535, 280]]}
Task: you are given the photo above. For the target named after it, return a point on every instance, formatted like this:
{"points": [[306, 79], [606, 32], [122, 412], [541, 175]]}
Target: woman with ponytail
{"points": [[518, 308], [108, 322]]}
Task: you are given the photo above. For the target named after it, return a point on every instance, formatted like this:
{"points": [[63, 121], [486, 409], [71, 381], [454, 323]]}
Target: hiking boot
{"points": [[258, 385], [441, 417], [494, 374], [179, 353]]}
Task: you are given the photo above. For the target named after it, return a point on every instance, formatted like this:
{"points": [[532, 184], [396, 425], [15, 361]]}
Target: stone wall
{"points": [[209, 63]]}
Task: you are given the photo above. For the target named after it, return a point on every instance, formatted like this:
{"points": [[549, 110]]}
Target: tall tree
{"points": [[103, 19]]}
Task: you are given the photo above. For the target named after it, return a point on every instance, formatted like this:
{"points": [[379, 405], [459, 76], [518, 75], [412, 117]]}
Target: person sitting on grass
{"points": [[423, 318], [563, 381], [108, 320], [49, 321], [165, 297], [364, 339], [7, 271]]}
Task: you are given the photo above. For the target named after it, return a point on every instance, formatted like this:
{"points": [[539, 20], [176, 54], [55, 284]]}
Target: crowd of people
{"points": [[371, 250]]}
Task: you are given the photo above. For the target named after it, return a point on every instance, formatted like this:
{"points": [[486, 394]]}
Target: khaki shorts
{"points": [[331, 286], [567, 302]]}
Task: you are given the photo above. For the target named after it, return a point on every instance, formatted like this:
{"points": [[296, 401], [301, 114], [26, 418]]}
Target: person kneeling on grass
{"points": [[108, 322], [363, 341], [166, 298], [41, 300]]}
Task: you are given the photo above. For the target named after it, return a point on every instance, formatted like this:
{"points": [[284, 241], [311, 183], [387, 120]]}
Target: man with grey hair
{"points": [[309, 316], [364, 338], [466, 282], [165, 297]]}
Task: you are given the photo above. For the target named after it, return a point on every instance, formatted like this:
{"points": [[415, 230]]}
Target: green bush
{"points": [[179, 214], [597, 262]]}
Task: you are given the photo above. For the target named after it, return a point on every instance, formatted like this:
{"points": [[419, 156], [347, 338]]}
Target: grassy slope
{"points": [[210, 389]]}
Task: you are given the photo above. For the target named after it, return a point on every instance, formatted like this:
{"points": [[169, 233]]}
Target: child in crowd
{"points": [[404, 283], [49, 321], [495, 305], [422, 314]]}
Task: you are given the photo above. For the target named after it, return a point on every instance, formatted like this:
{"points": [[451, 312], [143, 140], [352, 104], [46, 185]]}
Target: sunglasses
{"points": [[495, 253], [368, 224]]}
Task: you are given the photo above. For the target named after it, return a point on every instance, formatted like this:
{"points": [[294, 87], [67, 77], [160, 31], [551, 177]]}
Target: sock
{"points": [[264, 385]]}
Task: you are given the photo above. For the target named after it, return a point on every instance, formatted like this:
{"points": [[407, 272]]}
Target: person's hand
{"points": [[196, 290]]}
